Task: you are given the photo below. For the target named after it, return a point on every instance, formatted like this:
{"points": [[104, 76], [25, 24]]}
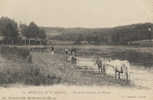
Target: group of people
{"points": [[71, 55]]}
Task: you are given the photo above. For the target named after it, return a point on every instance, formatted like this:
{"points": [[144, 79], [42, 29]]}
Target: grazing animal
{"points": [[101, 65], [120, 67]]}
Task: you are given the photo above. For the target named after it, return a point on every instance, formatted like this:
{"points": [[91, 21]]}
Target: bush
{"points": [[35, 77], [14, 52], [27, 74]]}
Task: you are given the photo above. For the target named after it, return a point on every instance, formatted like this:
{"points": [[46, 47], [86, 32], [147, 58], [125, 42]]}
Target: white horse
{"points": [[120, 67]]}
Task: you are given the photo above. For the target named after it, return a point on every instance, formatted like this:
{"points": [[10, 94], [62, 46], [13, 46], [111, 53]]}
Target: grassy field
{"points": [[47, 69], [142, 56], [16, 67], [71, 74]]}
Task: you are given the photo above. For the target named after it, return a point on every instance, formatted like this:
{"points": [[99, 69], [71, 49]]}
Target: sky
{"points": [[78, 13]]}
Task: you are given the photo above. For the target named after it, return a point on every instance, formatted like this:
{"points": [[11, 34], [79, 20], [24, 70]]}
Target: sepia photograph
{"points": [[76, 49]]}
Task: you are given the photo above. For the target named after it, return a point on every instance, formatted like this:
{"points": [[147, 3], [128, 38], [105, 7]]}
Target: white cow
{"points": [[120, 67]]}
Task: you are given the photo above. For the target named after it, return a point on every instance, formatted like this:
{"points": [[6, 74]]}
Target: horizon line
{"points": [[115, 26]]}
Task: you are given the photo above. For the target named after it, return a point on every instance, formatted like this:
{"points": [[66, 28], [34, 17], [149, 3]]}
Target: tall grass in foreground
{"points": [[15, 68], [14, 53]]}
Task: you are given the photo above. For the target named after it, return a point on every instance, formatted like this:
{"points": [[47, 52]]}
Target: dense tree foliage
{"points": [[118, 35], [32, 31], [8, 28], [12, 34]]}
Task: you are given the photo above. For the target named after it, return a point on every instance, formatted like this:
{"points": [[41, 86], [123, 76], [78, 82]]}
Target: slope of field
{"points": [[70, 75], [74, 75], [80, 81]]}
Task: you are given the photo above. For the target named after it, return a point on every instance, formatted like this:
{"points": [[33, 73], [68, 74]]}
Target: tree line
{"points": [[10, 30], [116, 35]]}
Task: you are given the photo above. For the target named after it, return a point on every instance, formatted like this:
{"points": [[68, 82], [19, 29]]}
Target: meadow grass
{"points": [[47, 69], [15, 68], [135, 55]]}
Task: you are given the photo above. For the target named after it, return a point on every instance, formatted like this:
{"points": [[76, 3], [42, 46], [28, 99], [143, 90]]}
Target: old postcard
{"points": [[76, 49]]}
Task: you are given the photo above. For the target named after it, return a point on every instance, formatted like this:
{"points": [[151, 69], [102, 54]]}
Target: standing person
{"points": [[73, 51], [66, 54], [74, 59], [29, 57], [52, 50], [104, 65], [66, 51], [99, 64]]}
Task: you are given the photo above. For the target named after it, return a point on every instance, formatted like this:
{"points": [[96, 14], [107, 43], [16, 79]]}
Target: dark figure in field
{"points": [[73, 51], [66, 54], [29, 57], [66, 51], [74, 59], [52, 50], [101, 66]]}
